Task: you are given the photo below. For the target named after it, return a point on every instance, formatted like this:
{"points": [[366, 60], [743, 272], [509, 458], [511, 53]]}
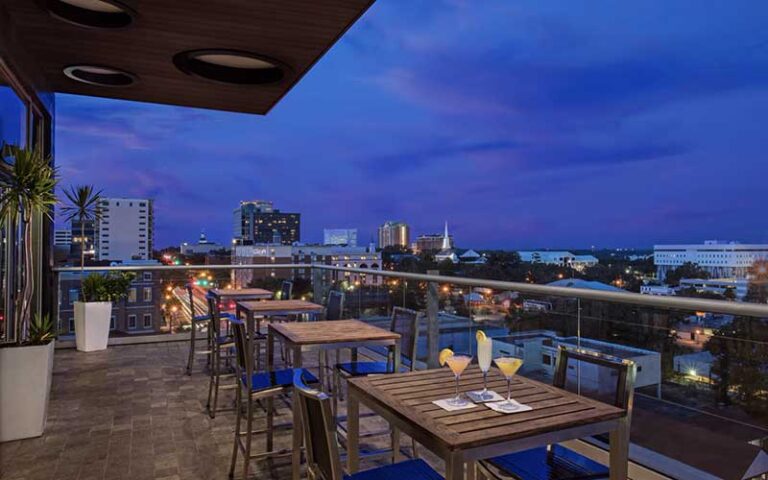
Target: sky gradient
{"points": [[524, 124]]}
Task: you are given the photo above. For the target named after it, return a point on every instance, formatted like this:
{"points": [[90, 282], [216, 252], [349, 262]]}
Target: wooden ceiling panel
{"points": [[294, 32]]}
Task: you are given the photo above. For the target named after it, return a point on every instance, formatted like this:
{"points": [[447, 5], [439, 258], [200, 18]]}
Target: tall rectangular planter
{"points": [[92, 325], [25, 387]]}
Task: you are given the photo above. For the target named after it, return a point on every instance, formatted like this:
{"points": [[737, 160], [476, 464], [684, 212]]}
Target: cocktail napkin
{"points": [[495, 406], [445, 405], [477, 396]]}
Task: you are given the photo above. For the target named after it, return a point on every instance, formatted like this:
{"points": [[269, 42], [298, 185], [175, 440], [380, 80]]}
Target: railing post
{"points": [[317, 285], [433, 327]]}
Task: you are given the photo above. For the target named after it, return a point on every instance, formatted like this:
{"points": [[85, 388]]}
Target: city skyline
{"points": [[623, 126]]}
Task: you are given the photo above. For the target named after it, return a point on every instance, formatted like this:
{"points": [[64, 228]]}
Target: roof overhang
{"points": [[159, 48]]}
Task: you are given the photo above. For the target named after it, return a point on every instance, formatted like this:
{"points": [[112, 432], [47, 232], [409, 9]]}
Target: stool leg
{"points": [[217, 359], [212, 373], [249, 429], [239, 413], [190, 360]]}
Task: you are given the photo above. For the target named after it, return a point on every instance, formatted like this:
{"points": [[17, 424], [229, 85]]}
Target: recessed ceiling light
{"points": [[231, 66], [100, 75], [92, 13]]}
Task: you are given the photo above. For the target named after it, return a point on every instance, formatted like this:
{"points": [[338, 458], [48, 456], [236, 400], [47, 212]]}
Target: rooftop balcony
{"points": [[131, 412]]}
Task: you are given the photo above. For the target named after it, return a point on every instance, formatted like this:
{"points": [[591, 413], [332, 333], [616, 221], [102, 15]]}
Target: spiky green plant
{"points": [[26, 193], [83, 205], [41, 330]]}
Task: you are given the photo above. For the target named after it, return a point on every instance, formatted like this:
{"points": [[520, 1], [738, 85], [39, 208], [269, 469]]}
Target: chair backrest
{"points": [[213, 311], [406, 322], [595, 375], [335, 306], [237, 327], [319, 428], [286, 289], [191, 295]]}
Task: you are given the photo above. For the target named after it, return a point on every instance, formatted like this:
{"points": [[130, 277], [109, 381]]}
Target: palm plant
{"points": [[28, 191], [82, 205]]}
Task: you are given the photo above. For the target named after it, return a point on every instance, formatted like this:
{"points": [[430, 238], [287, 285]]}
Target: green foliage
{"points": [[30, 187], [41, 330], [83, 205], [106, 288], [686, 270]]}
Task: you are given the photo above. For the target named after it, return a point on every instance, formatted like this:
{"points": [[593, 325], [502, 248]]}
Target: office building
{"points": [[124, 229], [83, 236], [340, 236], [561, 258], [394, 234], [259, 223], [335, 255], [62, 237], [432, 242], [719, 259]]}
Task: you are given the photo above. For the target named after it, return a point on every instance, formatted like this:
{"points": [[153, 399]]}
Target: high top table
{"points": [[221, 294], [463, 437]]}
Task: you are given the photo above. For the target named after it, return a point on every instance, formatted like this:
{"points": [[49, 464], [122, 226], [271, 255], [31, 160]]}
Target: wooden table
{"points": [[332, 334], [256, 310], [240, 294], [466, 436]]}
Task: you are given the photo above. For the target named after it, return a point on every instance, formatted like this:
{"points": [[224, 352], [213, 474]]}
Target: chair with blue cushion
{"points": [[221, 346], [255, 386], [322, 450], [606, 378], [197, 323]]}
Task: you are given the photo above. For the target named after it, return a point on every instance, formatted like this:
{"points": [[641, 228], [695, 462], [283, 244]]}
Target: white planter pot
{"points": [[25, 385], [92, 325]]}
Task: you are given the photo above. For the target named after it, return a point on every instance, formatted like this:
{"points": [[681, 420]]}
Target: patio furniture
{"points": [[196, 323], [254, 386], [464, 437], [219, 344], [405, 322], [298, 336], [556, 462], [334, 310], [323, 460]]}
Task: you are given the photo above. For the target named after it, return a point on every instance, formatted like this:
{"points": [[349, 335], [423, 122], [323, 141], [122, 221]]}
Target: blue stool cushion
{"points": [[559, 463], [201, 318], [278, 378], [357, 369], [409, 470]]}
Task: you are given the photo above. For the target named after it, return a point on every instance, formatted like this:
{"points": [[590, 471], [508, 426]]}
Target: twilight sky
{"points": [[523, 124]]}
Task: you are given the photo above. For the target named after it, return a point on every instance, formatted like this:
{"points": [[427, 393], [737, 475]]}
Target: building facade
{"points": [[549, 257], [83, 237], [340, 236], [62, 237], [394, 234], [430, 243], [258, 222], [202, 247], [338, 256], [124, 229], [719, 259]]}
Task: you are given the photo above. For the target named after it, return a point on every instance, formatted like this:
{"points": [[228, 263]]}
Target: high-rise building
{"points": [[258, 222], [62, 237], [340, 236], [431, 242], [125, 229], [83, 237], [394, 234]]}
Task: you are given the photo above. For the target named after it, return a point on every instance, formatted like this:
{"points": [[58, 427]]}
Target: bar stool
{"points": [[253, 387], [197, 322], [221, 348], [555, 462]]}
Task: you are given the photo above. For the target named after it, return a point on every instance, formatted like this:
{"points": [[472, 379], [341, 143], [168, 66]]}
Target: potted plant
{"points": [[93, 313], [26, 364]]}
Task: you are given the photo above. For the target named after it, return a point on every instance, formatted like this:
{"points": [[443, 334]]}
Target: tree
{"points": [[83, 206], [757, 291], [686, 270], [27, 193]]}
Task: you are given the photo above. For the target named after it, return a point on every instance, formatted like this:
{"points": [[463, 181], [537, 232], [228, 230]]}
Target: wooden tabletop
{"points": [[250, 293], [332, 331], [279, 307], [410, 395]]}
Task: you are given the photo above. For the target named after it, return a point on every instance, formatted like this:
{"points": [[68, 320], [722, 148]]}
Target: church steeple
{"points": [[446, 239]]}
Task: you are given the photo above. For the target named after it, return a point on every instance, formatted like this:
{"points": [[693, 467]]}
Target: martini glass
{"points": [[458, 363], [484, 353], [509, 367]]}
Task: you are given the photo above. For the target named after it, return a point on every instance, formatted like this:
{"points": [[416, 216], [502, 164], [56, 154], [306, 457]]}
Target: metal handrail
{"points": [[674, 303]]}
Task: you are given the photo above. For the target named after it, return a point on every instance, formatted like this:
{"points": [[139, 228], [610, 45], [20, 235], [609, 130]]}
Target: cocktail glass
{"points": [[509, 367], [484, 353], [458, 363]]}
